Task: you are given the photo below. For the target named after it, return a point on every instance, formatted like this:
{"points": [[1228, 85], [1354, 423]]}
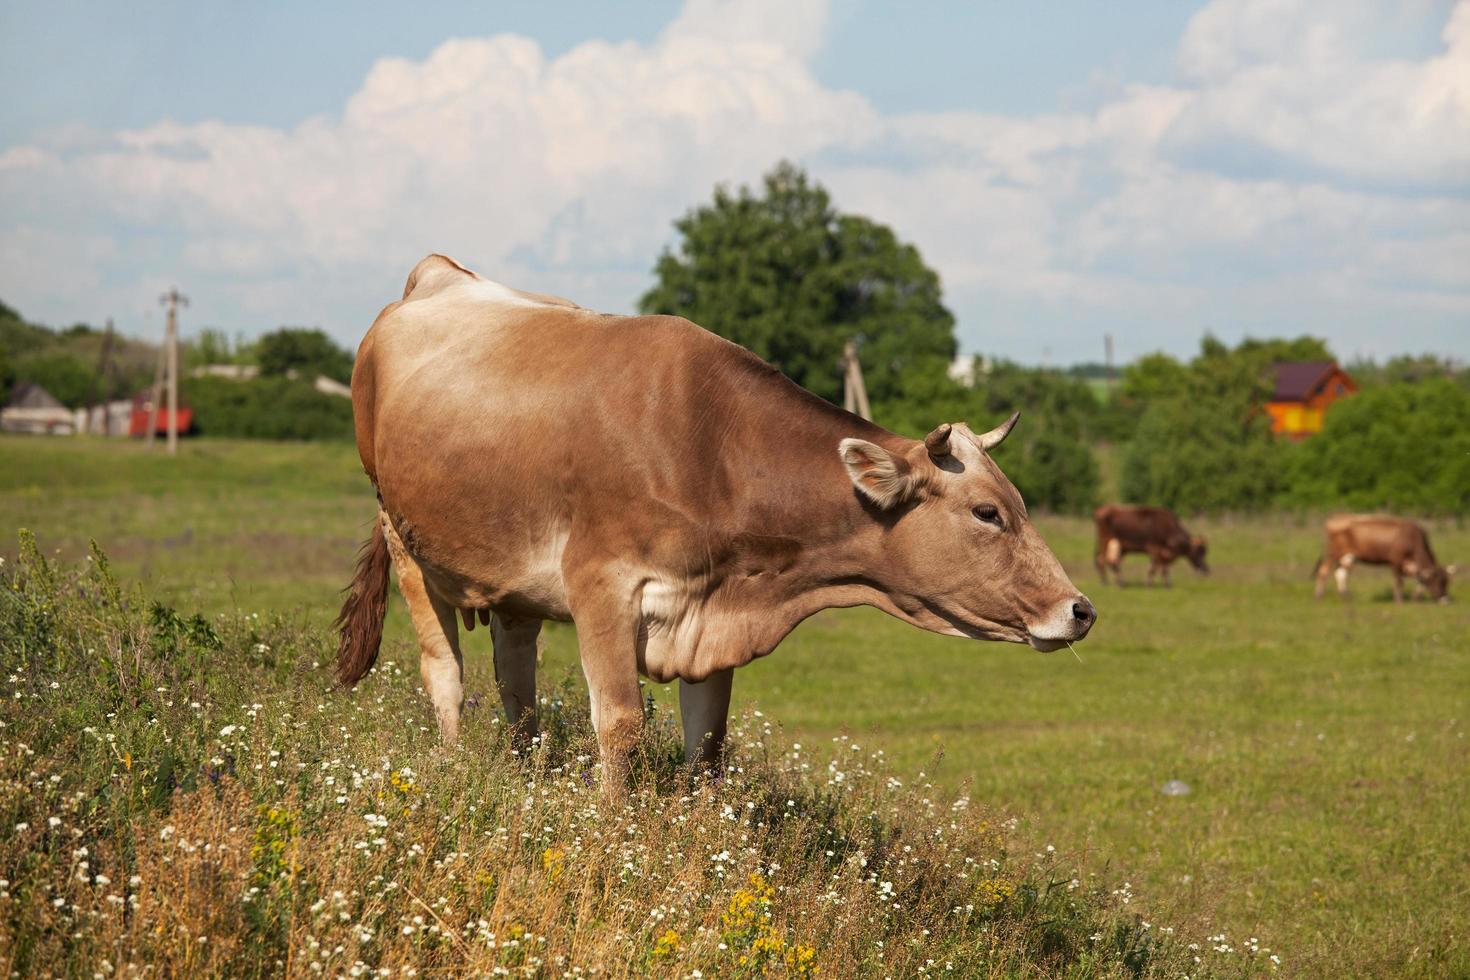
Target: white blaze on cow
{"points": [[670, 493]]}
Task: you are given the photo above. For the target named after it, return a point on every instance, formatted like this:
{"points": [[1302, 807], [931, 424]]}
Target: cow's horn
{"points": [[997, 435], [937, 442]]}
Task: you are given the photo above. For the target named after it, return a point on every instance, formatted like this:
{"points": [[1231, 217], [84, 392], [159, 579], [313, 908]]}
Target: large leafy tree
{"points": [[785, 274], [306, 352]]}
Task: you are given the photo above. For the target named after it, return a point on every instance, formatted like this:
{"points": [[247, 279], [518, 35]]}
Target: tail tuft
{"points": [[361, 619]]}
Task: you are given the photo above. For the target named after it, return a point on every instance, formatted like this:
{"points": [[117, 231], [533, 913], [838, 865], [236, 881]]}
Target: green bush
{"points": [[1401, 446], [1195, 454], [267, 408]]}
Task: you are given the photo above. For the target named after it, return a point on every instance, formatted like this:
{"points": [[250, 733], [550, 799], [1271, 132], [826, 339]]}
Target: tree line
{"points": [[779, 269], [280, 403]]}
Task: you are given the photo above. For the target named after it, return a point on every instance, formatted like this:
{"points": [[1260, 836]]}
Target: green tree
{"points": [[1202, 441], [210, 346], [64, 375], [1154, 377], [305, 352], [785, 274], [1402, 446], [1195, 454]]}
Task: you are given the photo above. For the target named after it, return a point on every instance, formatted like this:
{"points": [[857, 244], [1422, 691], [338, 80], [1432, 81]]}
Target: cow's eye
{"points": [[988, 513]]}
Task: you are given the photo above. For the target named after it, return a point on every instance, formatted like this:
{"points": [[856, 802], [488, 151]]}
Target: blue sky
{"points": [[1150, 169]]}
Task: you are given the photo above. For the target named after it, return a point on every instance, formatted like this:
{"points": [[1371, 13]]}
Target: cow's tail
{"points": [[361, 620]]}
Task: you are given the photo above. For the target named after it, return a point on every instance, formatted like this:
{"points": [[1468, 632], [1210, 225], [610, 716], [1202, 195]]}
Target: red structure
{"points": [[142, 403]]}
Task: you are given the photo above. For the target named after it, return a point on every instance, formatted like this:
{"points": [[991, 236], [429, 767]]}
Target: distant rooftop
{"points": [[28, 394], [1295, 380]]}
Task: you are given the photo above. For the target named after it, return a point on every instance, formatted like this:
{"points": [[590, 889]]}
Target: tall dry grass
{"points": [[191, 797]]}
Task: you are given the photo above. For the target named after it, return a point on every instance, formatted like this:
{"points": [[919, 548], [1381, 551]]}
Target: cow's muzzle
{"points": [[1068, 621]]}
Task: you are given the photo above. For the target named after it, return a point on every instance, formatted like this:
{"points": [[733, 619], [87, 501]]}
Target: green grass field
{"points": [[1324, 743]]}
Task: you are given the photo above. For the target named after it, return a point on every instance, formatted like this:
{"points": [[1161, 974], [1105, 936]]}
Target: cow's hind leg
{"points": [[705, 709], [515, 675], [435, 623]]}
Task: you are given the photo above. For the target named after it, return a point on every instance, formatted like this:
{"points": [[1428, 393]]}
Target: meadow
{"points": [[1323, 743]]}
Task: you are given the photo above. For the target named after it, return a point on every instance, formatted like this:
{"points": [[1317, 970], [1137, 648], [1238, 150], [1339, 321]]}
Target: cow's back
{"points": [[1374, 538], [500, 421], [1137, 526]]}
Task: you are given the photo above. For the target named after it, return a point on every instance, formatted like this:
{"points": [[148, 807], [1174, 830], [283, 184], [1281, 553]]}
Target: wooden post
{"points": [[172, 299]]}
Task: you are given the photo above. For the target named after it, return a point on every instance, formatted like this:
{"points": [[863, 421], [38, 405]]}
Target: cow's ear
{"points": [[885, 479]]}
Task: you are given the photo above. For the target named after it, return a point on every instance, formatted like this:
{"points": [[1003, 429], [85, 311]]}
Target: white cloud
{"points": [[1295, 180]]}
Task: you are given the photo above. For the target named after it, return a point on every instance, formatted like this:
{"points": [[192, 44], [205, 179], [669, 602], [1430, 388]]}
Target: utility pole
{"points": [[1108, 359], [100, 382], [854, 392], [169, 367]]}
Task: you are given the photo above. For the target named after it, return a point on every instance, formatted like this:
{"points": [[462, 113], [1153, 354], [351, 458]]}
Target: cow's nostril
{"points": [[1083, 612]]}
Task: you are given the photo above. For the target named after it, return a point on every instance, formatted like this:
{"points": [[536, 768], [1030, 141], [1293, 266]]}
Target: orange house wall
{"points": [[1301, 419]]}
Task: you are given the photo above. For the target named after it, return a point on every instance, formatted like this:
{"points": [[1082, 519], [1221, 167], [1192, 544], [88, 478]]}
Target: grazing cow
{"points": [[669, 492], [1378, 539], [1122, 529]]}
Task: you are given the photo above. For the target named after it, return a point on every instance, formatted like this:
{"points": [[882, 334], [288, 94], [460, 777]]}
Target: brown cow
{"points": [[1155, 531], [672, 494], [1378, 539]]}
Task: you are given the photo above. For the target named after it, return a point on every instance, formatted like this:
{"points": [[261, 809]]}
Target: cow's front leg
{"points": [[1113, 558], [1324, 568], [515, 675], [1398, 586], [607, 633], [704, 709], [1341, 573]]}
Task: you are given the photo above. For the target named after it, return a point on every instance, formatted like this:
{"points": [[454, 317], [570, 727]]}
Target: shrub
{"points": [[1202, 454], [267, 408], [1401, 446]]}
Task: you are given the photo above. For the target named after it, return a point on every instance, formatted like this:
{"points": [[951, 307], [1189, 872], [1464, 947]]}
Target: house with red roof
{"points": [[1303, 391]]}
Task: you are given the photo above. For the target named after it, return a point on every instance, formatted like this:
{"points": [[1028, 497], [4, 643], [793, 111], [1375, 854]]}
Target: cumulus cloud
{"points": [[1293, 178]]}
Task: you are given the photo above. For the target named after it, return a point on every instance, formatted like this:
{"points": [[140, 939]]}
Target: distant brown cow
{"points": [[1154, 531], [1378, 539]]}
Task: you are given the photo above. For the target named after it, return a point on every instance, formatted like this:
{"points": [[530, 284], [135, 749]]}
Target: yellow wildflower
{"points": [[667, 944], [553, 860]]}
